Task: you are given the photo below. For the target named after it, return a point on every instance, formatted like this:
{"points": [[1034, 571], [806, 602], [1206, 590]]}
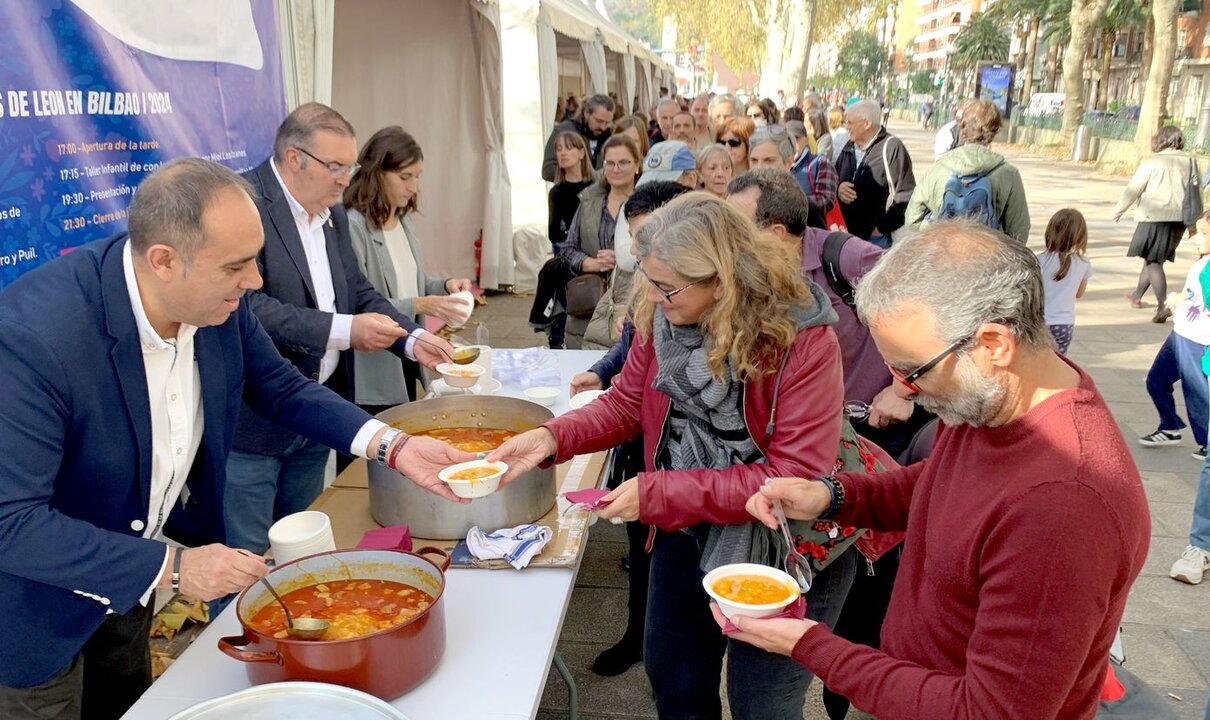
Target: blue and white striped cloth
{"points": [[516, 545]]}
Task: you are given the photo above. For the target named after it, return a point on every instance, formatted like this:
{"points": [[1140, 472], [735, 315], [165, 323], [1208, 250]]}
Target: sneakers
{"points": [[1160, 438], [1200, 453], [1193, 563]]}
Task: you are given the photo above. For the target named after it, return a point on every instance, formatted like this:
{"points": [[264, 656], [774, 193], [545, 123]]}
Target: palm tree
{"points": [[984, 40], [1120, 15], [1034, 14]]}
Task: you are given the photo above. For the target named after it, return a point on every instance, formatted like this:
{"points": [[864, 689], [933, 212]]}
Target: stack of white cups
{"points": [[299, 535]]}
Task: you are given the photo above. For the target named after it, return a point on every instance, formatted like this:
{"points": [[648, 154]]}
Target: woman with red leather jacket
{"points": [[734, 377]]}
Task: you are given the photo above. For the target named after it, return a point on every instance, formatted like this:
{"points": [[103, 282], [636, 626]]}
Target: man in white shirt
{"points": [[316, 306], [125, 365]]}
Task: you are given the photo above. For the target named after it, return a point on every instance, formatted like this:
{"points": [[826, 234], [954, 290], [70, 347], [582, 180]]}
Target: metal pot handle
{"points": [[230, 647], [431, 550]]}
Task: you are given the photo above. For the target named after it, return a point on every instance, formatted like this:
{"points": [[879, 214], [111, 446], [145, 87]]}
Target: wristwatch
{"points": [[384, 445], [176, 569]]}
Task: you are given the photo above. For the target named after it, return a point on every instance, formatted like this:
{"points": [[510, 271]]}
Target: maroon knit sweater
{"points": [[1022, 544]]}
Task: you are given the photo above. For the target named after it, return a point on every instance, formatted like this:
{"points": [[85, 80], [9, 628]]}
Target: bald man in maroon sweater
{"points": [[1025, 527]]}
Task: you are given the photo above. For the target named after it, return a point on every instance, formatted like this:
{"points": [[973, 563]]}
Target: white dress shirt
{"points": [[174, 394], [315, 245]]}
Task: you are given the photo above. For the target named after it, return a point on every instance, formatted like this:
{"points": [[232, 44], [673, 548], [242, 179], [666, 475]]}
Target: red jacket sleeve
{"points": [[803, 444], [1039, 614], [612, 418]]}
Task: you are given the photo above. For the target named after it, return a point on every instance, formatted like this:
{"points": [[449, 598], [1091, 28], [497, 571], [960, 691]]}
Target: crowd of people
{"points": [[791, 321], [950, 346]]}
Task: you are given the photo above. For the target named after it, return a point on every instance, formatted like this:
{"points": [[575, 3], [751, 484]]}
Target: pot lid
{"points": [[294, 700]]}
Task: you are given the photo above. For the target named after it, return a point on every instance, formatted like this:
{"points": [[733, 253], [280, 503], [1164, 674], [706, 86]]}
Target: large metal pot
{"points": [[385, 664], [395, 500]]}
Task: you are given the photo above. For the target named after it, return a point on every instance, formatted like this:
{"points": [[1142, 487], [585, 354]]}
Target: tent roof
{"points": [[576, 19]]}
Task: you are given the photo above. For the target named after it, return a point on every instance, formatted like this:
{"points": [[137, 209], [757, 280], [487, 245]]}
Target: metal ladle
{"points": [[462, 355], [304, 628]]}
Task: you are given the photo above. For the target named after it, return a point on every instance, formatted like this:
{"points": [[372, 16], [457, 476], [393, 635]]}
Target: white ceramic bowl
{"points": [[474, 488], [460, 376], [584, 397], [542, 395], [731, 608]]}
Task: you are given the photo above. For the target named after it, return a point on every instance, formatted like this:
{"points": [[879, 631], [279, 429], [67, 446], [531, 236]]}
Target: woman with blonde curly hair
{"points": [[734, 377]]}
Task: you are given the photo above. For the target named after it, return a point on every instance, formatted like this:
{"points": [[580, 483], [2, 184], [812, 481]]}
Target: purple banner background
{"points": [[66, 173]]}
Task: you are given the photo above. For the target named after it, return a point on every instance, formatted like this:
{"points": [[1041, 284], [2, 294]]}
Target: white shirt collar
{"points": [[295, 206], [148, 337]]}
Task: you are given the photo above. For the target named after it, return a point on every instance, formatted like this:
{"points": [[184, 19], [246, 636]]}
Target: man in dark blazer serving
{"points": [[316, 306], [125, 365]]}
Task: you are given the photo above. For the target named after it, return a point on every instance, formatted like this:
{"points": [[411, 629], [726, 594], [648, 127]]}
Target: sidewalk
{"points": [[1167, 624]]}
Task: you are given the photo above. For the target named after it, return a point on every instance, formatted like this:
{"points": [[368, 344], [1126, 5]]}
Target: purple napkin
{"points": [[796, 610], [395, 537], [589, 499]]}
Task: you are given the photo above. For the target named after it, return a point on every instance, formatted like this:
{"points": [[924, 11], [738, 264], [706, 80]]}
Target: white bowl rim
{"points": [[476, 370], [587, 395], [542, 391], [444, 474], [751, 569]]}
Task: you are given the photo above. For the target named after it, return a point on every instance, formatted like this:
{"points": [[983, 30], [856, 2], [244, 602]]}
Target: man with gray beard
{"points": [[1026, 526]]}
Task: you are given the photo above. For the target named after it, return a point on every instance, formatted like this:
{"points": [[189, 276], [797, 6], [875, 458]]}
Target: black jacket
{"points": [[285, 305], [550, 165], [869, 210]]}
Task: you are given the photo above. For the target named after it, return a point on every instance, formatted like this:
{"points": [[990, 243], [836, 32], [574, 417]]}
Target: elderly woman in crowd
{"points": [[733, 377], [381, 197], [1158, 186], [714, 168], [734, 134], [772, 147]]}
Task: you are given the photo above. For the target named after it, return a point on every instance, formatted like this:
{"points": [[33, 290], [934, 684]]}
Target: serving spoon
{"points": [[303, 628]]}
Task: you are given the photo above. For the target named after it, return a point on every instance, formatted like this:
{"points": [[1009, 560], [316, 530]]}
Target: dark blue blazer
{"points": [[75, 450], [286, 305]]}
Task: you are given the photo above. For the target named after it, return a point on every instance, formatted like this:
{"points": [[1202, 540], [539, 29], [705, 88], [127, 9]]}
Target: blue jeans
{"points": [[882, 241], [1199, 529], [262, 489], [1180, 359], [683, 647]]}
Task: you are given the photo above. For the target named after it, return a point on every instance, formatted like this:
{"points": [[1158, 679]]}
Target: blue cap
{"points": [[667, 161]]}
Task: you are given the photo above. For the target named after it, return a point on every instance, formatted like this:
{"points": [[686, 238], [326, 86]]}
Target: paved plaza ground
{"points": [[1167, 625]]}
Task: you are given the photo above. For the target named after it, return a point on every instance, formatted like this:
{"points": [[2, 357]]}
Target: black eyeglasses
{"points": [[667, 294], [333, 167], [909, 380], [733, 142]]}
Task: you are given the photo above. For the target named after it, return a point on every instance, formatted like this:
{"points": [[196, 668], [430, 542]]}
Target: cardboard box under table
{"points": [[347, 503]]}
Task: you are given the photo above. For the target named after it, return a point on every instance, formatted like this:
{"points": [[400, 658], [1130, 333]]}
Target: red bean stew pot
{"points": [[384, 608]]}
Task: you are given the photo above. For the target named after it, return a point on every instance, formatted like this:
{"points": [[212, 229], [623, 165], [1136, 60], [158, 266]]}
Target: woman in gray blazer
{"points": [[382, 194]]}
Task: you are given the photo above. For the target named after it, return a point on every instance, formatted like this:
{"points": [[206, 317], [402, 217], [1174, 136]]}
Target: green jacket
{"points": [[1008, 192]]}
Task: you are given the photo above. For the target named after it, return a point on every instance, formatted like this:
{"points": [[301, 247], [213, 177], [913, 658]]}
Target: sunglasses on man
{"points": [[909, 379]]}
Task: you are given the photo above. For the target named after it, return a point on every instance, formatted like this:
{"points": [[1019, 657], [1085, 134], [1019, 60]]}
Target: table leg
{"points": [[573, 697]]}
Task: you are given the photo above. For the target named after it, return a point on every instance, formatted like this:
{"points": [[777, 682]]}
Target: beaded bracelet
{"points": [[395, 451], [836, 496]]}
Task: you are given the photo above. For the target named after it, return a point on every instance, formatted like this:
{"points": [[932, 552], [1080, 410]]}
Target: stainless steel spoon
{"points": [[304, 628]]}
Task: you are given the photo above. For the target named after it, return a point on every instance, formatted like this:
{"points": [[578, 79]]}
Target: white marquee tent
{"points": [[476, 82]]}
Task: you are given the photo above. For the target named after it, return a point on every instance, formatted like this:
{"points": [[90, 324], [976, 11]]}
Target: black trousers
{"points": [[102, 682]]}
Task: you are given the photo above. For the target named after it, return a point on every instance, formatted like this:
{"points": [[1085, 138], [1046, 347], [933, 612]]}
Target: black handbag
{"points": [[583, 294], [1191, 210]]}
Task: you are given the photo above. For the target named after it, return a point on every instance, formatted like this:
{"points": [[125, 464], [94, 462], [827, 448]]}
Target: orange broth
{"points": [[751, 589], [352, 607], [470, 439], [474, 474]]}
